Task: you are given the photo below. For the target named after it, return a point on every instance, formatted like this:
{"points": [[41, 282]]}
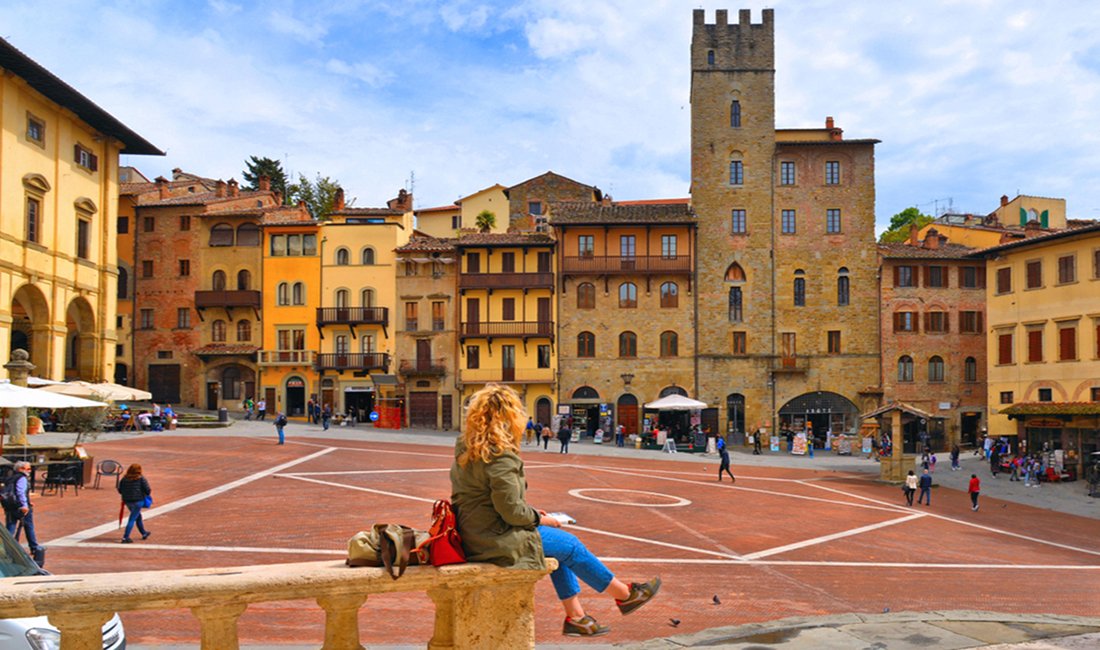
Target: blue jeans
{"points": [[574, 560], [282, 438], [925, 496], [135, 518], [28, 525]]}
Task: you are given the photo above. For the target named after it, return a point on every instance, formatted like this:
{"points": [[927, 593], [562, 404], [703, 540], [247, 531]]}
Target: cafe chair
{"points": [[108, 468], [60, 476]]}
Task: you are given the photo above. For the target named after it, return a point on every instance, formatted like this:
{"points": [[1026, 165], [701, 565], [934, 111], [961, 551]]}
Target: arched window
{"points": [[735, 300], [710, 57], [799, 288], [248, 234], [244, 331], [366, 298], [244, 280], [343, 298], [842, 287], [123, 283], [670, 295], [217, 283], [221, 235], [669, 344], [586, 345], [970, 369], [628, 295], [628, 344], [905, 368], [231, 383], [735, 113], [282, 294], [735, 409], [367, 256], [737, 172], [935, 369], [217, 331], [586, 392], [299, 293], [735, 273], [586, 296], [343, 257]]}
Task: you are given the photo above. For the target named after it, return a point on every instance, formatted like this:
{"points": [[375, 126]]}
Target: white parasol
{"points": [[120, 393], [78, 388], [676, 403], [12, 396]]}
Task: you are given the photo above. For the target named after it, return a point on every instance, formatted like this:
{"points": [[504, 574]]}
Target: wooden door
{"points": [[423, 355], [269, 397], [212, 395], [508, 362], [789, 349], [473, 316], [445, 405], [546, 322], [422, 409], [164, 382], [542, 412], [544, 262]]}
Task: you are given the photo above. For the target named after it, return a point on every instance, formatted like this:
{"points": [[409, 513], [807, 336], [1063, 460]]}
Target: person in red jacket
{"points": [[975, 489]]}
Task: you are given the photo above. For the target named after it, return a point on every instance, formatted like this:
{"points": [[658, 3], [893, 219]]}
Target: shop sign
{"points": [[295, 383], [818, 411], [1045, 423], [563, 409]]}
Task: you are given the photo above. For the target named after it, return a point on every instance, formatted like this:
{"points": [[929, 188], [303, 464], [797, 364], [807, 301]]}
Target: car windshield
{"points": [[14, 561]]}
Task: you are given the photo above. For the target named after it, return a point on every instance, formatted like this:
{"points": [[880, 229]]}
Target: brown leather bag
{"points": [[392, 546]]}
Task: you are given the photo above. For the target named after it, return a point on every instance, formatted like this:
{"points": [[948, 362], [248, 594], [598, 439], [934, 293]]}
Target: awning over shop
{"points": [[897, 406], [676, 403], [1069, 409], [384, 380]]}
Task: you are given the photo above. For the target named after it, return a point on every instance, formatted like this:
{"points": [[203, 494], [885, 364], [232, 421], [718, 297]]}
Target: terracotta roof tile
{"points": [[426, 243], [225, 349], [685, 201], [439, 208], [1093, 227], [908, 251], [1053, 408], [369, 212], [504, 239], [202, 198], [576, 212]]}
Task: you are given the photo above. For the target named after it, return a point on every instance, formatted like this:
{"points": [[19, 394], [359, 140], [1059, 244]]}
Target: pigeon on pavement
{"points": [[717, 601], [674, 622]]}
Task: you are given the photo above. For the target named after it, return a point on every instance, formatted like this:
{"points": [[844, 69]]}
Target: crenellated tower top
{"points": [[743, 45]]}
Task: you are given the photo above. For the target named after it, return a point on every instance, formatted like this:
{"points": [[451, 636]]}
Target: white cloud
{"points": [[364, 71], [302, 30]]}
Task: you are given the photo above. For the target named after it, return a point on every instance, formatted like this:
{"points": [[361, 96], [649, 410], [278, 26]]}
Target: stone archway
{"points": [[81, 354], [820, 411], [30, 328]]}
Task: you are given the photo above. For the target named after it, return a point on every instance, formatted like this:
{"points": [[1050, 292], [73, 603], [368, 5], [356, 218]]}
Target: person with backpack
{"points": [[136, 495], [725, 456], [546, 434], [280, 423], [18, 510]]}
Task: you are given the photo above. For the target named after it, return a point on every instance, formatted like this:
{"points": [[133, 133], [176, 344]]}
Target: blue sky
{"points": [[972, 99]]}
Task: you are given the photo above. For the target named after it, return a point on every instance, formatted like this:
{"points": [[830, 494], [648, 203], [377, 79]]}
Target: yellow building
{"points": [[448, 220], [59, 157], [355, 307], [507, 317], [1009, 222], [291, 293], [1043, 306]]}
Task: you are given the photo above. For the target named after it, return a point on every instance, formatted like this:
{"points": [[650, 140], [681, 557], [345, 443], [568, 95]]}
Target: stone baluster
{"points": [[80, 630], [342, 621], [219, 625], [489, 617]]}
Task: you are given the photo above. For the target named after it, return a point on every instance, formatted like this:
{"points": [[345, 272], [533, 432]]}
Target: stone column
{"points": [[80, 630], [342, 621], [19, 368], [486, 617], [219, 625]]}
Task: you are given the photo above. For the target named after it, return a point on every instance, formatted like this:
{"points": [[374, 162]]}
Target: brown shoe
{"points": [[586, 626], [640, 594]]}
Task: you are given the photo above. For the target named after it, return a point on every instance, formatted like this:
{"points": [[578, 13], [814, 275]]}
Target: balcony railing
{"points": [[517, 328], [353, 315], [237, 298], [618, 264], [506, 281], [353, 361], [423, 367], [476, 605], [287, 357], [507, 376], [790, 364]]}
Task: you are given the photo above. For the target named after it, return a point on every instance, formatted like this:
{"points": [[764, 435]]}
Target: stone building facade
{"points": [[528, 200], [787, 261], [933, 338]]}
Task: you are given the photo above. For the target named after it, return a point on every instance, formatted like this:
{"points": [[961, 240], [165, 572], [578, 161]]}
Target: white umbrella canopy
{"points": [[12, 396], [120, 393], [78, 388], [35, 382], [676, 403]]}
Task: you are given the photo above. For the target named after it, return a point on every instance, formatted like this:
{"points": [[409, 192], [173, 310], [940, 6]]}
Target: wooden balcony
{"points": [[790, 365], [286, 357], [507, 329], [506, 281], [362, 361], [422, 368], [619, 265], [238, 298], [507, 376], [353, 316]]}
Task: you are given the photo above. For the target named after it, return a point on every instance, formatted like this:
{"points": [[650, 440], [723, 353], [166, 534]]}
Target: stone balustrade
{"points": [[476, 605]]}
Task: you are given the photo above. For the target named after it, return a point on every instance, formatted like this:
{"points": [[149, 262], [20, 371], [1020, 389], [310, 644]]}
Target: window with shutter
{"points": [[1067, 343], [1034, 346], [1004, 280], [508, 309], [1034, 274], [1004, 349]]}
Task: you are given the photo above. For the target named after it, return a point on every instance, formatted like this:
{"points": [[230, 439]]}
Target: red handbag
{"points": [[444, 543]]}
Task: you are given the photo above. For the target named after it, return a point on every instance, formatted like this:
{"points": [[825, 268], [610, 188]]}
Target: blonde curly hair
{"points": [[495, 420]]}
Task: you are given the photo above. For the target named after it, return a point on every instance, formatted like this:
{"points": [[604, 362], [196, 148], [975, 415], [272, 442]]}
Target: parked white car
{"points": [[36, 633]]}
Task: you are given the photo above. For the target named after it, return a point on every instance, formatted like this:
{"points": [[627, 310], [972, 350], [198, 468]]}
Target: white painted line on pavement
{"points": [[828, 538], [375, 450], [854, 565], [362, 489], [643, 540], [112, 526], [214, 549], [364, 471]]}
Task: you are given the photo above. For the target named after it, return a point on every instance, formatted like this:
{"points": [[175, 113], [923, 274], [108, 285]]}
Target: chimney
{"points": [[234, 188], [176, 173], [1004, 200], [1032, 228], [219, 189], [264, 182], [278, 197], [1006, 237], [913, 232], [338, 200], [829, 122], [932, 239], [162, 187]]}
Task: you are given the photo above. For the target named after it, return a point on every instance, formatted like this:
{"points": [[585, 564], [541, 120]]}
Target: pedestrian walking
{"points": [[546, 434], [954, 457], [975, 489], [620, 436], [529, 432], [994, 461], [910, 488], [280, 424], [326, 417], [932, 463], [309, 412], [247, 405], [564, 434], [136, 496], [756, 444], [987, 445], [724, 466], [261, 409], [18, 509], [925, 485]]}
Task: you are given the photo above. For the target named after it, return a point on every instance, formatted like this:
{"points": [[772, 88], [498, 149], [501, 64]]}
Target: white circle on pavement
{"points": [[584, 493]]}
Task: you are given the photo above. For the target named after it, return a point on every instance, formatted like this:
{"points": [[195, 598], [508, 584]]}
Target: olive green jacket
{"points": [[493, 517]]}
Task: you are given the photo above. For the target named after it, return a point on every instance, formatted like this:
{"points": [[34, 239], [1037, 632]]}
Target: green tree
{"points": [[273, 169], [900, 222], [318, 194], [485, 221]]}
